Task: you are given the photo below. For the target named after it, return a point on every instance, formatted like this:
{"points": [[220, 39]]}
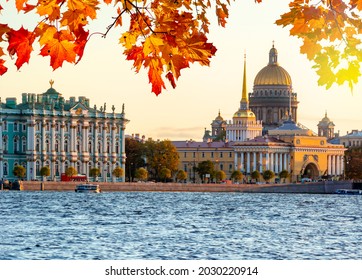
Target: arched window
{"points": [[90, 146], [117, 147], [16, 144], [5, 169], [108, 147], [78, 146], [79, 169], [23, 144], [66, 145], [99, 147], [37, 145], [57, 164], [47, 145], [5, 143], [57, 146], [37, 167]]}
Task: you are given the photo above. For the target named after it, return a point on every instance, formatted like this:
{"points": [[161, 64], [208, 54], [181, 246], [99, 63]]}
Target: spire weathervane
{"points": [[51, 82]]}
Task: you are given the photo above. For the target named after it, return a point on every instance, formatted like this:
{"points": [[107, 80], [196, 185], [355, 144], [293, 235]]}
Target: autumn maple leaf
{"points": [[20, 43], [60, 48]]}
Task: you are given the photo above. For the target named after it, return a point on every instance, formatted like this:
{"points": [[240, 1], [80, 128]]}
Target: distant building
{"points": [[217, 132], [352, 139], [326, 128], [191, 153], [273, 97], [47, 130]]}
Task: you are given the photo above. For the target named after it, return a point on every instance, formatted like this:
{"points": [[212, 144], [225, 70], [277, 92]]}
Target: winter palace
{"points": [[48, 130]]}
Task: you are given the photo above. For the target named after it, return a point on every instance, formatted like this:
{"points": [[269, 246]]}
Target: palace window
{"points": [[5, 125], [5, 143], [212, 154], [57, 146], [108, 147], [117, 148], [5, 169], [23, 144], [24, 127], [47, 145], [16, 144], [16, 127], [78, 146], [230, 154], [185, 154], [99, 147], [37, 145], [37, 168], [66, 146], [90, 146], [221, 154]]}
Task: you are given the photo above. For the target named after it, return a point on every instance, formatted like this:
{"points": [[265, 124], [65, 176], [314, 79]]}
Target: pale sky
{"points": [[104, 75]]}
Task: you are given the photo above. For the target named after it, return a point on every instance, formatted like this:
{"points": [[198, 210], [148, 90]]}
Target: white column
{"points": [[261, 162], [254, 163], [285, 167], [272, 162], [248, 162], [280, 162], [333, 162], [342, 165], [236, 167], [242, 162], [267, 161], [276, 167]]}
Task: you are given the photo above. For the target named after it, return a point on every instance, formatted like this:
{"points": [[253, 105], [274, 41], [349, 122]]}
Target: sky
{"points": [[104, 76]]}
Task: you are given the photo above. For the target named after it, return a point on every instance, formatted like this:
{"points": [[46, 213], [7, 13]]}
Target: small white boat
{"points": [[349, 191], [88, 188]]}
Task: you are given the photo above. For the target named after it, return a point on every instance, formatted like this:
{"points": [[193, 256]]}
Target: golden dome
{"points": [[273, 74], [244, 114]]}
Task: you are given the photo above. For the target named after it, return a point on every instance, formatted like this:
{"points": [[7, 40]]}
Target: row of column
{"points": [[261, 161], [335, 165]]}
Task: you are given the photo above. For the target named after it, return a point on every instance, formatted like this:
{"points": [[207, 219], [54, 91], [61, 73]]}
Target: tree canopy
{"points": [[165, 37]]}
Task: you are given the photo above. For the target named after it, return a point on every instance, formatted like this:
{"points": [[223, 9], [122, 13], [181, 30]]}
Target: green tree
{"points": [[161, 154], [204, 168], [165, 173], [19, 171], [237, 176], [94, 173], [135, 151], [268, 175], [118, 172], [141, 174], [255, 175], [181, 175], [45, 171], [284, 174], [71, 171], [220, 176]]}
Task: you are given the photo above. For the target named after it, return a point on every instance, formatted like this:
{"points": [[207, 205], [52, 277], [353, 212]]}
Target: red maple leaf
{"points": [[20, 43]]}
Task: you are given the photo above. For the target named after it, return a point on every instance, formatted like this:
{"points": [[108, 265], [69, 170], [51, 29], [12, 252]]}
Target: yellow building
{"points": [[191, 153]]}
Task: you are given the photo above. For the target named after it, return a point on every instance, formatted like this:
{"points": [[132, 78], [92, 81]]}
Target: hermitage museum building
{"points": [[48, 130]]}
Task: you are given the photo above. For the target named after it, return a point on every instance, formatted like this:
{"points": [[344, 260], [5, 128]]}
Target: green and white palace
{"points": [[48, 130]]}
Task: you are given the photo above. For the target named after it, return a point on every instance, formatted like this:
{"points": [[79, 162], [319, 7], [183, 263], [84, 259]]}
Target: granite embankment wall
{"points": [[318, 187]]}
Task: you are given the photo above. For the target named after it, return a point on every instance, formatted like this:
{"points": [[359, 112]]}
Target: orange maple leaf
{"points": [[20, 43], [59, 49], [154, 74]]}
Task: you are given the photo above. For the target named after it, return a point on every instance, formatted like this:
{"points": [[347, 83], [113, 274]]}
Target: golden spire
{"points": [[244, 102], [51, 82], [244, 96]]}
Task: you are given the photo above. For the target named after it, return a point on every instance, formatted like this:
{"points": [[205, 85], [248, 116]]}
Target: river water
{"points": [[179, 226]]}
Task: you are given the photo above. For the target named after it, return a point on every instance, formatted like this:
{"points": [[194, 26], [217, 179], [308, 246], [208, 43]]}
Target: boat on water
{"points": [[348, 192], [88, 188]]}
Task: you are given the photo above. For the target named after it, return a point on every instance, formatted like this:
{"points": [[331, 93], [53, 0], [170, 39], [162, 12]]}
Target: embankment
{"points": [[317, 187]]}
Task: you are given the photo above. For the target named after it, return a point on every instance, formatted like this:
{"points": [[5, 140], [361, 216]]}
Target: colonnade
{"points": [[250, 161], [335, 165]]}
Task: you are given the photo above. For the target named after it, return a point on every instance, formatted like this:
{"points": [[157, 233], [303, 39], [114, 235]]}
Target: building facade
{"points": [[273, 99], [191, 153], [326, 127], [47, 130]]}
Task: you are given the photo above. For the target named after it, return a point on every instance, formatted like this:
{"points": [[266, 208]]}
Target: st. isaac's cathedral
{"points": [[264, 134]]}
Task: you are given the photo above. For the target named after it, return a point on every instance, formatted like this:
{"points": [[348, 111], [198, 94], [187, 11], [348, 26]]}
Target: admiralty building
{"points": [[48, 130]]}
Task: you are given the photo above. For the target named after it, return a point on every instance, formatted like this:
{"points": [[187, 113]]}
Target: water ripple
{"points": [[66, 225]]}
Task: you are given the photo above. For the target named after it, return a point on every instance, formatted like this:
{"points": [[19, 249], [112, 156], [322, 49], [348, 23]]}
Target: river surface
{"points": [[179, 226]]}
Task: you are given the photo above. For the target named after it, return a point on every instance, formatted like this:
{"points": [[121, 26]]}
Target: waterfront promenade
{"points": [[315, 187]]}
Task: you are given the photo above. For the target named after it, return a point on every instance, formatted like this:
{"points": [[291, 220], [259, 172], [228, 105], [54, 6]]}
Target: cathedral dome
{"points": [[244, 114], [273, 74]]}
